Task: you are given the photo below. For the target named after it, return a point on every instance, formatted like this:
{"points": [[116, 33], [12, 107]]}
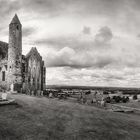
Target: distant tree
{"points": [[88, 92], [59, 91], [108, 100], [125, 99], [135, 97], [117, 99], [105, 92]]}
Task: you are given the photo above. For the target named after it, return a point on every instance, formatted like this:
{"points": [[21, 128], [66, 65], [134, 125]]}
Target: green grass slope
{"points": [[49, 119]]}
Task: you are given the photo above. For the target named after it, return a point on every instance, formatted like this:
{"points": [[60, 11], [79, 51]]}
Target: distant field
{"points": [[49, 119], [133, 104], [125, 90]]}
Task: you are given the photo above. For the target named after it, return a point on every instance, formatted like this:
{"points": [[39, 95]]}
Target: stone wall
{"points": [[26, 72], [34, 70], [15, 53], [3, 68]]}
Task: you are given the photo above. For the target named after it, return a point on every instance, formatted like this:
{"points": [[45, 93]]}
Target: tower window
{"points": [[3, 76]]}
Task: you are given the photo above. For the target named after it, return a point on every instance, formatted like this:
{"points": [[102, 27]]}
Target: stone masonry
{"points": [[22, 72]]}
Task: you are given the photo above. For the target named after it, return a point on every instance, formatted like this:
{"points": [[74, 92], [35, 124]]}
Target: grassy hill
{"points": [[50, 119]]}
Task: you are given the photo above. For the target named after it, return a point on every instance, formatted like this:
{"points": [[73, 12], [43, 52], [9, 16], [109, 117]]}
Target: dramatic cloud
{"points": [[99, 51], [68, 57], [86, 30], [98, 77], [7, 6], [28, 31], [104, 36], [61, 58]]}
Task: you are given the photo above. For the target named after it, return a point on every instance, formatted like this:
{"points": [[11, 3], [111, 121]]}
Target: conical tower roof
{"points": [[15, 20]]}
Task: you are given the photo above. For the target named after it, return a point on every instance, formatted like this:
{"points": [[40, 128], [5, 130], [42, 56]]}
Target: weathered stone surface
{"points": [[25, 73], [15, 52]]}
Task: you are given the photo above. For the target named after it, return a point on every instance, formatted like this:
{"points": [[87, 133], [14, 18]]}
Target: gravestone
{"points": [[50, 95], [12, 88], [4, 96]]}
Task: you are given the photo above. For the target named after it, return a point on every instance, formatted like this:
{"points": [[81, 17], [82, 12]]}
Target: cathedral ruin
{"points": [[17, 71]]}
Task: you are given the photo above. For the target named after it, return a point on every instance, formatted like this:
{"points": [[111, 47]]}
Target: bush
{"points": [[117, 99], [88, 92], [108, 100], [125, 99], [135, 97]]}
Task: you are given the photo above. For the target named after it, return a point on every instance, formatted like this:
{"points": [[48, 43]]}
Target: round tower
{"points": [[15, 53]]}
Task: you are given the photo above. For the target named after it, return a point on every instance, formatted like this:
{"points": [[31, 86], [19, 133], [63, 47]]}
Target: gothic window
{"points": [[34, 64], [10, 68], [6, 67], [44, 80], [29, 79], [33, 81], [3, 76], [23, 67], [17, 27]]}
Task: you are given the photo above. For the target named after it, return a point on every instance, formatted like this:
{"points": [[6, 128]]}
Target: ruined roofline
{"points": [[33, 50], [3, 43]]}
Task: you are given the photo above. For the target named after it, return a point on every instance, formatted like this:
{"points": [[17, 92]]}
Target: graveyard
{"points": [[40, 118]]}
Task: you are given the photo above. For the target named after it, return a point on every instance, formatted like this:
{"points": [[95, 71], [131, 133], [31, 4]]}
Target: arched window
{"points": [[3, 76], [17, 27]]}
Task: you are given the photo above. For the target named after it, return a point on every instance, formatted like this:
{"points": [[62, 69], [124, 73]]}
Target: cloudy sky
{"points": [[83, 42]]}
